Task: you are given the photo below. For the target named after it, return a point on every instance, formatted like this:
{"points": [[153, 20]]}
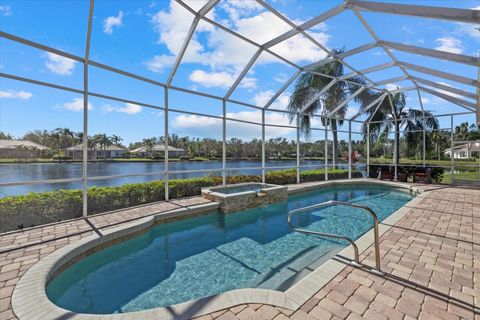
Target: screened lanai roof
{"points": [[250, 53]]}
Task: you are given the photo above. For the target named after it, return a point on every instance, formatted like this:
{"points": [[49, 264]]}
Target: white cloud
{"points": [[225, 55], [160, 62], [281, 77], [5, 10], [219, 79], [211, 127], [129, 108], [468, 30], [59, 65], [426, 100], [13, 94], [172, 25], [281, 103], [407, 29], [111, 22], [450, 44], [448, 92], [351, 111], [75, 105], [392, 86]]}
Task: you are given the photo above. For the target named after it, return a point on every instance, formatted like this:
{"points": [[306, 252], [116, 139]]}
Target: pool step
{"points": [[298, 269]]}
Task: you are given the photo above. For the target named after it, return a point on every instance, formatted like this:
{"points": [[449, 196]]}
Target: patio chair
{"points": [[384, 173], [422, 175]]}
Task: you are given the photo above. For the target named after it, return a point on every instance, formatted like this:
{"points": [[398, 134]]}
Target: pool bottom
{"points": [[291, 299]]}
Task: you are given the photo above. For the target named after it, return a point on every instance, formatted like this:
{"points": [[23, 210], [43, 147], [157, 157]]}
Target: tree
{"points": [[462, 131], [78, 137], [149, 144], [409, 120], [116, 140], [65, 137], [309, 86], [5, 136], [438, 138]]}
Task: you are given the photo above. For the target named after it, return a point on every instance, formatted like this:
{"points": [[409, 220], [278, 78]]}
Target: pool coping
{"points": [[29, 299]]}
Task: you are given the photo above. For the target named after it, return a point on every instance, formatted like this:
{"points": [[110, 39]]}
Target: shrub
{"points": [[40, 208]]}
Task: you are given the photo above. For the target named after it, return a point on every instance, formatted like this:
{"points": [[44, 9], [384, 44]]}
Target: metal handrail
{"points": [[334, 203]]}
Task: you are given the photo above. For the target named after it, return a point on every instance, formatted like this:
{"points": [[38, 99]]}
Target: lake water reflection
{"points": [[47, 171]]}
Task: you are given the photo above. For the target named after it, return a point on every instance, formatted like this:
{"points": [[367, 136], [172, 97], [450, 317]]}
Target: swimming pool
{"points": [[214, 253]]}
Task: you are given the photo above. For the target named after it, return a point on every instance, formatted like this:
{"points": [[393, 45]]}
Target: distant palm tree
{"points": [[116, 139], [394, 106], [56, 137], [149, 144], [66, 136], [78, 137], [438, 138], [310, 84], [462, 131]]}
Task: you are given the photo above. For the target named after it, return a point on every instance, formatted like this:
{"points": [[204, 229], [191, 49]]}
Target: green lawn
{"points": [[472, 176], [443, 163]]}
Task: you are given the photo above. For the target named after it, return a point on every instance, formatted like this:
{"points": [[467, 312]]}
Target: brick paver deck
{"points": [[431, 258]]}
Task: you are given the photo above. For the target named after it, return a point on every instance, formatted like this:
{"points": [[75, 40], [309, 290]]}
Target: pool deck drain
{"points": [[431, 255]]}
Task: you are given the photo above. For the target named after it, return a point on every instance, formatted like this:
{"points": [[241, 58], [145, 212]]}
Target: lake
{"points": [[48, 171]]}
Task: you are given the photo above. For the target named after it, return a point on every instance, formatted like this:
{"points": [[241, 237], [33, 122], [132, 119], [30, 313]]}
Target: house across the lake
{"points": [[157, 151], [464, 151], [21, 149], [98, 151]]}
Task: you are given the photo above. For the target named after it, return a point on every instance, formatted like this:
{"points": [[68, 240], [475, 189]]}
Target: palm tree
{"points": [[462, 131], [65, 135], [78, 137], [310, 84], [394, 106], [56, 137], [149, 144], [438, 138], [116, 139], [96, 141]]}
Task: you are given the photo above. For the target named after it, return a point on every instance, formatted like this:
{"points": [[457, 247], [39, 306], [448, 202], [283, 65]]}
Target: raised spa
{"points": [[238, 197], [213, 253]]}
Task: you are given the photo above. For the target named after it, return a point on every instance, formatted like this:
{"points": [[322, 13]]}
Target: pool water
{"points": [[214, 253]]}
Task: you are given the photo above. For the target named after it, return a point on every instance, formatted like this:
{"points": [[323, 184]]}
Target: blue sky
{"points": [[144, 37]]}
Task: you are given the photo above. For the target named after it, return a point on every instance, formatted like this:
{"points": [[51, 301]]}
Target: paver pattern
{"points": [[431, 258]]}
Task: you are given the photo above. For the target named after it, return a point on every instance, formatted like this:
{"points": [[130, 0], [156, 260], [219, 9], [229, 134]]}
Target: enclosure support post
{"points": [[298, 148], [85, 114], [167, 197], [424, 161], [452, 152], [350, 149], [334, 149], [224, 142], [326, 149], [263, 145], [396, 151], [424, 149], [368, 150]]}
